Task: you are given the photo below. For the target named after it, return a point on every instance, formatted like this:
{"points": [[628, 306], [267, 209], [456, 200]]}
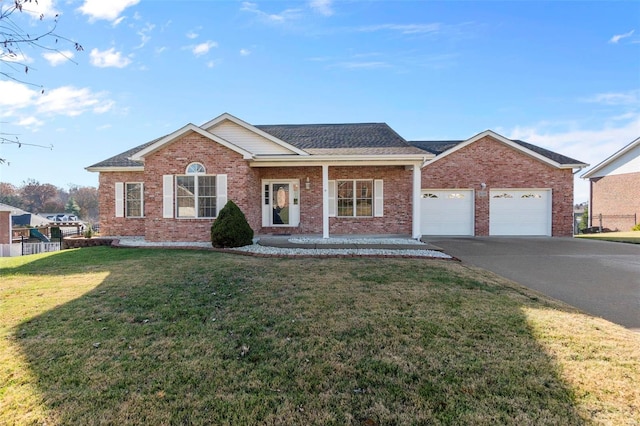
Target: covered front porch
{"points": [[340, 198]]}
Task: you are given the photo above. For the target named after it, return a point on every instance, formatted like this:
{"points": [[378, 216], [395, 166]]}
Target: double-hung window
{"points": [[355, 198], [133, 200], [196, 193]]}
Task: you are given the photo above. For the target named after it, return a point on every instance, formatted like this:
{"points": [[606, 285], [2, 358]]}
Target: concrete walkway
{"points": [[382, 242]]}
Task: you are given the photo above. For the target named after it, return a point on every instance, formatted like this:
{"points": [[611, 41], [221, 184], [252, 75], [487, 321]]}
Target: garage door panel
{"points": [[520, 212], [446, 212]]}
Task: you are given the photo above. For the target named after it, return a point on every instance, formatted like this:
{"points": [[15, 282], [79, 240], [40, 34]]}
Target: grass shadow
{"points": [[194, 337]]}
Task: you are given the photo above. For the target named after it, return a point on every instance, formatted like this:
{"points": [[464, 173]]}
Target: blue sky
{"points": [[564, 75]]}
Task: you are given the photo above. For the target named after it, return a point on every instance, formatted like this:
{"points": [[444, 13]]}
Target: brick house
{"points": [[614, 186], [333, 179]]}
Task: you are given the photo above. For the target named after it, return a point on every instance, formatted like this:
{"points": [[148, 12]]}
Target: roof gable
{"points": [[172, 137], [250, 137], [626, 160], [443, 149]]}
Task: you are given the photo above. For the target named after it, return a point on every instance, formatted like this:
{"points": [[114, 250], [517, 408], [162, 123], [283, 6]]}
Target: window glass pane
{"points": [[185, 196], [345, 197], [133, 204], [206, 196], [195, 168], [364, 198], [364, 208]]}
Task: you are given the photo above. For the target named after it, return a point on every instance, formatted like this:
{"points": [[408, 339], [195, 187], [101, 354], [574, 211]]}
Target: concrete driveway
{"points": [[598, 277]]}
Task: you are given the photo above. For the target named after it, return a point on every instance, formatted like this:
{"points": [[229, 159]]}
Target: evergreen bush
{"points": [[231, 228]]}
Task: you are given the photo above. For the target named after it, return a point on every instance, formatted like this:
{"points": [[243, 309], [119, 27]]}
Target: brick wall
{"points": [[615, 195], [109, 223], [398, 192], [397, 200], [242, 186], [5, 227], [500, 166]]}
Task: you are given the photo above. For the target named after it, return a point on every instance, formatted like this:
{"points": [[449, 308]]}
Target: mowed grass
{"points": [[134, 336]]}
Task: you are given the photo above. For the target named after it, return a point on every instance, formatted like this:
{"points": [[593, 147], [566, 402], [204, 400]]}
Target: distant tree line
{"points": [[36, 197]]}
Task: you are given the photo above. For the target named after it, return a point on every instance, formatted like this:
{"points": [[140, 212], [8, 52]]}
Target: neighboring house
{"points": [[333, 179], [615, 189]]}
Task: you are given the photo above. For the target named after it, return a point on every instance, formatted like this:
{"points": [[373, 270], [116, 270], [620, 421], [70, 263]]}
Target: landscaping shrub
{"points": [[636, 228], [231, 228], [88, 232]]}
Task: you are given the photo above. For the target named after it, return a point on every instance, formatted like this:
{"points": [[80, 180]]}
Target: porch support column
{"points": [[325, 201], [417, 187]]}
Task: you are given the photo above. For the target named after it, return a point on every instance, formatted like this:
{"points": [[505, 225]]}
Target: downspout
{"points": [[325, 201], [417, 187]]}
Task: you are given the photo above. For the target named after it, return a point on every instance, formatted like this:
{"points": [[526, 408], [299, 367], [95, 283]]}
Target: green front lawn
{"points": [[148, 336], [632, 237]]}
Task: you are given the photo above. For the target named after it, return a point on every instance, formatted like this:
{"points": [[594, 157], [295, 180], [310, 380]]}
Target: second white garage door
{"points": [[446, 212], [520, 212]]}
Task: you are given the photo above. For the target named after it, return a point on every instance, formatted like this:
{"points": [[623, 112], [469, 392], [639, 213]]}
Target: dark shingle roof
{"points": [[327, 136], [438, 147], [122, 159]]}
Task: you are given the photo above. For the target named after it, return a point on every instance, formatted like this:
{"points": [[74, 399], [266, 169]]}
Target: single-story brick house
{"points": [[614, 186], [333, 179]]}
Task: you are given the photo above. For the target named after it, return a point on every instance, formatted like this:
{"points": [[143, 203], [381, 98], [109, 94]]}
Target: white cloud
{"points": [[108, 10], [71, 101], [211, 64], [44, 8], [29, 122], [30, 107], [17, 56], [108, 58], [57, 58], [363, 65], [15, 96], [616, 38], [322, 7], [404, 28], [203, 48], [620, 98], [118, 21], [245, 52], [144, 34], [277, 18]]}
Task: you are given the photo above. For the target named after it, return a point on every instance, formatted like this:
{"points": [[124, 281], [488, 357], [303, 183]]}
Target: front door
{"points": [[281, 203]]}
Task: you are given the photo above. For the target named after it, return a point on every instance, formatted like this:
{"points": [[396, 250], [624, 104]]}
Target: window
{"points": [[133, 200], [196, 193], [355, 198]]}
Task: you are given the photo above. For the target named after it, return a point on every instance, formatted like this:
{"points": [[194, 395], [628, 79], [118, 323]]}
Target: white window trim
{"points": [[169, 197], [126, 212], [377, 199], [196, 197]]}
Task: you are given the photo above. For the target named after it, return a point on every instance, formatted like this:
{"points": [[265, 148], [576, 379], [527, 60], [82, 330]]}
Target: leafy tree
{"points": [[72, 207], [231, 228], [35, 195], [87, 199], [9, 195], [584, 223]]}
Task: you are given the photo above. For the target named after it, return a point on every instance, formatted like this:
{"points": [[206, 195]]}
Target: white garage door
{"points": [[446, 212], [520, 212]]}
